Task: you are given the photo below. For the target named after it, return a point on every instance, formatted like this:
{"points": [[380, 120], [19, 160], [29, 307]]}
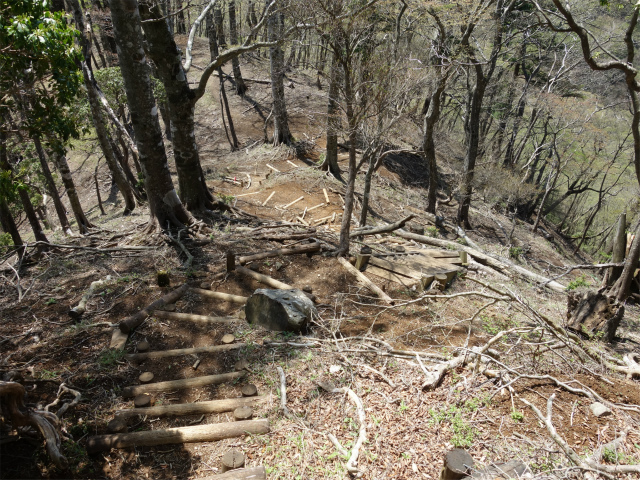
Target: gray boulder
{"points": [[280, 310]]}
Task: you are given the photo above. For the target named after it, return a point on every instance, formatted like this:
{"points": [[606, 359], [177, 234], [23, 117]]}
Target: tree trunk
{"points": [[29, 211], [619, 251], [165, 54], [333, 121], [9, 225], [281, 133], [241, 87], [164, 204], [51, 187], [432, 111], [63, 167], [343, 247], [623, 285]]}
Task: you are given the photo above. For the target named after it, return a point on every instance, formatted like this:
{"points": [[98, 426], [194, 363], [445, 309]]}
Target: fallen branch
{"points": [[191, 317], [283, 392], [136, 319], [227, 297], [368, 283], [77, 311], [177, 241], [267, 280], [362, 433], [587, 464], [596, 266], [381, 229]]}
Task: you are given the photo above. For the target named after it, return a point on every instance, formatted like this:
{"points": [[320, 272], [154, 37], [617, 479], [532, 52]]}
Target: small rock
{"points": [[170, 308], [599, 410], [307, 288], [142, 346], [205, 285], [279, 265], [335, 368]]}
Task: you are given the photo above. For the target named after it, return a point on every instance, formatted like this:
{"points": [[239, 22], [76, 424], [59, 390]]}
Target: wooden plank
{"points": [[138, 357], [396, 268], [211, 406], [170, 385], [118, 339], [198, 433], [387, 275]]}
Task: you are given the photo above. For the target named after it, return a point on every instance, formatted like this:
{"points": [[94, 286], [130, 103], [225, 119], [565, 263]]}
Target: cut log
{"points": [[272, 282], [191, 317], [249, 390], [226, 297], [138, 357], [198, 433], [368, 283], [142, 401], [457, 464], [231, 261], [136, 319], [146, 377], [180, 409], [502, 264], [356, 232], [243, 413], [232, 459], [228, 339], [143, 346], [163, 278], [254, 473], [170, 385], [117, 425], [304, 248], [594, 314], [118, 339]]}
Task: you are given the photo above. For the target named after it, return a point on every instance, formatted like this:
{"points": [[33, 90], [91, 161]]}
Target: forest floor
{"points": [[408, 428]]}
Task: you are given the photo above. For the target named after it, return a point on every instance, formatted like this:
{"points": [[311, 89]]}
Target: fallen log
{"points": [[227, 297], [129, 324], [390, 227], [198, 433], [191, 317], [253, 473], [369, 284], [306, 248], [501, 264], [272, 282], [212, 406], [170, 385], [232, 460], [138, 357]]}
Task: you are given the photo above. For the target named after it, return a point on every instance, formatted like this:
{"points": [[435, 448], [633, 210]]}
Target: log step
{"points": [[191, 317], [138, 357], [170, 385], [253, 473], [211, 406], [193, 434]]}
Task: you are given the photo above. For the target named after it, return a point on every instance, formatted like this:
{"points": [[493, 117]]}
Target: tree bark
{"points": [[164, 204], [9, 225], [431, 117], [623, 286], [619, 251], [51, 187], [281, 132], [241, 87], [181, 99]]}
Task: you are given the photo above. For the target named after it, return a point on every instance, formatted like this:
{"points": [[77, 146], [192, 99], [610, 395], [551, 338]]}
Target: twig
{"points": [[189, 261], [61, 391], [283, 392]]}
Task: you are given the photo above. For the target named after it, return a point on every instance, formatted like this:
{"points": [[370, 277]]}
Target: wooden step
{"points": [[170, 385], [138, 357], [211, 406]]}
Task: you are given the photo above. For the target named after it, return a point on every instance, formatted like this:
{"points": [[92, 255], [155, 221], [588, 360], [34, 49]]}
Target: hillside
{"points": [[384, 353]]}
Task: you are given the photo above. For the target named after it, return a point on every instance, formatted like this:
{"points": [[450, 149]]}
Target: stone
{"points": [[143, 346], [307, 288], [280, 310], [600, 410]]}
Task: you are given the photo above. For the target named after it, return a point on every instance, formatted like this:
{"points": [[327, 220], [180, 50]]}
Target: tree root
{"points": [[61, 391]]}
